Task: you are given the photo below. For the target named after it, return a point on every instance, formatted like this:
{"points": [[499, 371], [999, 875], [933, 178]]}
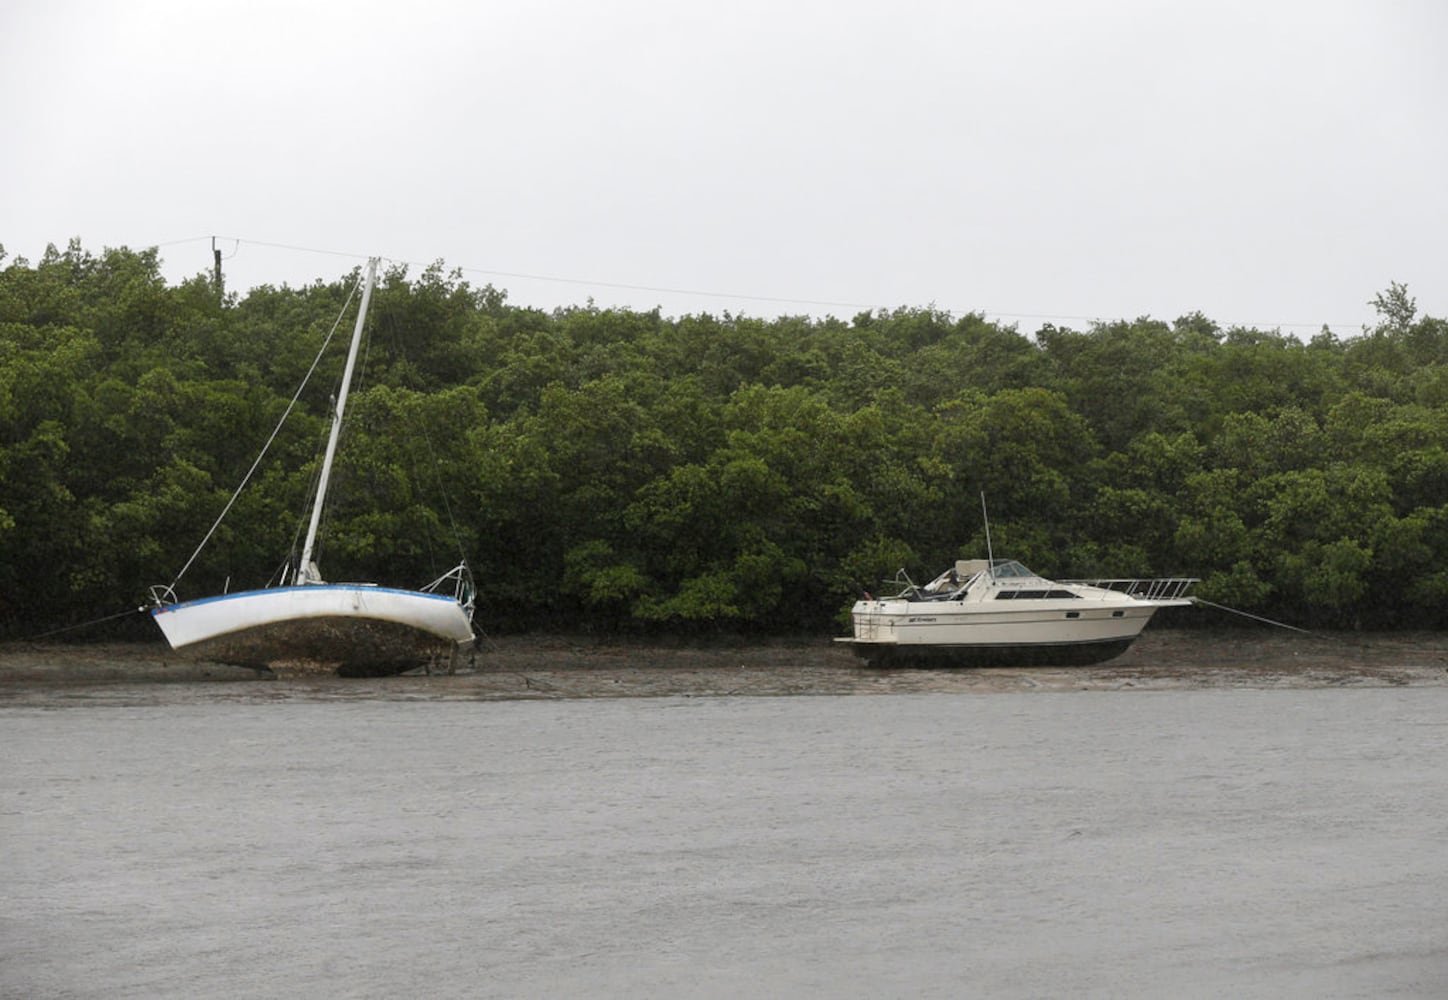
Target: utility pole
{"points": [[216, 257]]}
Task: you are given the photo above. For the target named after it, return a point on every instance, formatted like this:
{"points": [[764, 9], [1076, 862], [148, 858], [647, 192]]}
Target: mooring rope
{"points": [[72, 628], [1247, 614]]}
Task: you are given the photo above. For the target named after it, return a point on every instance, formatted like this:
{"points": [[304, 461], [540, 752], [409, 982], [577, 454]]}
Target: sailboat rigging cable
{"points": [[291, 405]]}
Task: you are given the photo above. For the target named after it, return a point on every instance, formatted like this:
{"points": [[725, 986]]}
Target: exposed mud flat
{"points": [[544, 667]]}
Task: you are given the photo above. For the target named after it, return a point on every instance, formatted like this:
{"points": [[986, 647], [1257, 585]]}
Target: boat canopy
{"points": [[1004, 569]]}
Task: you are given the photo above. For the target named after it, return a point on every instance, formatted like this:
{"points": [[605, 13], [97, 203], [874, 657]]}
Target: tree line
{"points": [[612, 469]]}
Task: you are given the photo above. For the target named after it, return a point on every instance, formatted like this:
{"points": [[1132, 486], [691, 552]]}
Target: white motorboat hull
{"points": [[896, 632], [354, 627]]}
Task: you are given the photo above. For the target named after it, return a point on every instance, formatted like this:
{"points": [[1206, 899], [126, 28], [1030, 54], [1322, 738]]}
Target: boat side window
{"points": [[1036, 595]]}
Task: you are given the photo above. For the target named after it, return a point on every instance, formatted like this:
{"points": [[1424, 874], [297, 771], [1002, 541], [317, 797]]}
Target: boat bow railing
{"points": [[463, 589], [1164, 588]]}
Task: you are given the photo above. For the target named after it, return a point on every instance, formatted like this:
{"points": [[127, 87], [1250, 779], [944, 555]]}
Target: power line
{"points": [[706, 293]]}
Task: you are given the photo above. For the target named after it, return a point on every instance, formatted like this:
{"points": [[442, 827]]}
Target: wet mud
{"points": [[552, 667]]}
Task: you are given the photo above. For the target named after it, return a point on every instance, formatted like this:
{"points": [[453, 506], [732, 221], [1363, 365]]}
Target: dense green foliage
{"points": [[614, 469]]}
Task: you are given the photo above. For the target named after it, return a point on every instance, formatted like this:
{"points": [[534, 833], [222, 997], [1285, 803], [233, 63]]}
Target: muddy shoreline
{"points": [[549, 667]]}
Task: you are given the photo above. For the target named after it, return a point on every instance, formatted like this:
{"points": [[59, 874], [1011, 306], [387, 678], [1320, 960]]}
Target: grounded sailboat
{"points": [[358, 628]]}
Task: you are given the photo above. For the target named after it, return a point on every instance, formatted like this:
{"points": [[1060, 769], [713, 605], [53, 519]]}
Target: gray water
{"points": [[1100, 844]]}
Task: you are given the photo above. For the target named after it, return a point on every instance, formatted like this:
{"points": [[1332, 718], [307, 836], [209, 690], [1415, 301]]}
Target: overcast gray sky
{"points": [[1272, 164]]}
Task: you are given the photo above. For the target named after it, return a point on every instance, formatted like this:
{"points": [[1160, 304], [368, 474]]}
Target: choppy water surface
{"points": [[1167, 844]]}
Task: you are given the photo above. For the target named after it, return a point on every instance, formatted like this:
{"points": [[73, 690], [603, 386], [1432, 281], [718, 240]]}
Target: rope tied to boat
{"points": [[1248, 614], [81, 625]]}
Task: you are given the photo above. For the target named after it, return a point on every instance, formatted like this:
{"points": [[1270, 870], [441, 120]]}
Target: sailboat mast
{"points": [[307, 572]]}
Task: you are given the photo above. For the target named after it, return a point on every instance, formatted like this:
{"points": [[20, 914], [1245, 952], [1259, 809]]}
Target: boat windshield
{"points": [[1009, 568]]}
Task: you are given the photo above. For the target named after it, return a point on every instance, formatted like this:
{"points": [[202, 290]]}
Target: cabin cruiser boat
{"points": [[985, 612]]}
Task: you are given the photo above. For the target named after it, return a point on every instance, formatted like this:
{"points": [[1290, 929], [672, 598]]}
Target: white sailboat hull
{"points": [[356, 625]]}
